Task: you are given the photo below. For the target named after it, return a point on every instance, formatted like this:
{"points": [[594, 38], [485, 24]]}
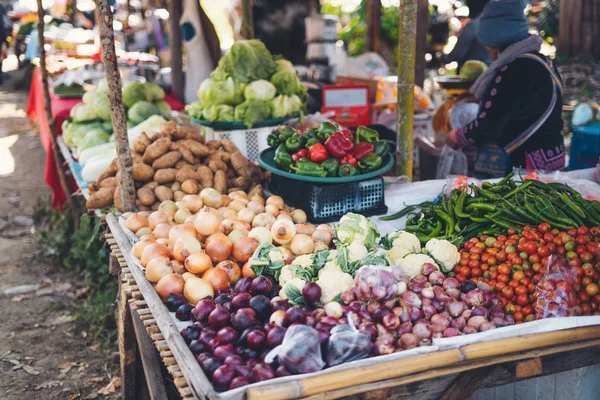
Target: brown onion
{"points": [[143, 232], [184, 246], [162, 231], [157, 268], [237, 234], [196, 289], [320, 246], [227, 226], [299, 216], [246, 215], [178, 231], [177, 267], [217, 277], [276, 201], [135, 222], [236, 205], [272, 209], [225, 200], [197, 263], [284, 215], [244, 248], [168, 207], [169, 284], [256, 207], [211, 198], [182, 215], [218, 247], [321, 235], [232, 269], [283, 231], [139, 247], [305, 229], [157, 217], [206, 222], [154, 250], [188, 275], [193, 202]]}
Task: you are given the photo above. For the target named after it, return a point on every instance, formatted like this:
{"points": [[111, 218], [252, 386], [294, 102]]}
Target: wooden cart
{"points": [[145, 327]]}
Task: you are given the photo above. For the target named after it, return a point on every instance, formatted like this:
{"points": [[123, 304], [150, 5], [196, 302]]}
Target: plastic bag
{"points": [[452, 162], [300, 351], [346, 344], [462, 113], [379, 283], [555, 294]]}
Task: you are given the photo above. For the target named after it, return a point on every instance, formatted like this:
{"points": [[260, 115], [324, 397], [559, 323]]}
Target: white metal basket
{"points": [[250, 141]]}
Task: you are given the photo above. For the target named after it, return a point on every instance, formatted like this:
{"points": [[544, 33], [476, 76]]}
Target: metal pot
{"points": [[321, 28]]}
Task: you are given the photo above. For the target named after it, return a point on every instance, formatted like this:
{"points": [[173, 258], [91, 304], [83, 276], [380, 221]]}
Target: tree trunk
{"points": [[406, 81], [247, 30], [579, 24], [48, 109], [421, 47], [117, 110], [175, 11], [373, 25]]}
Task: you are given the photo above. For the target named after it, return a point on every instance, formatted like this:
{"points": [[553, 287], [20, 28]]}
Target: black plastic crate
{"points": [[325, 202]]}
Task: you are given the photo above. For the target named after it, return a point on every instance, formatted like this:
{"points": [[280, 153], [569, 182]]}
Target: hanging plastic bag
{"points": [[300, 351], [451, 162], [346, 343], [379, 283], [555, 294]]}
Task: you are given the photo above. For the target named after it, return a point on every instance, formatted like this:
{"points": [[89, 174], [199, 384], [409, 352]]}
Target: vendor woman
{"points": [[519, 121]]}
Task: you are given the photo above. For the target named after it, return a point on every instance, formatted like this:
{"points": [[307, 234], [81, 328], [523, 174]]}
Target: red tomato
{"points": [[473, 264], [518, 316], [534, 258], [508, 292], [592, 289], [551, 248], [461, 278], [583, 297], [513, 284], [548, 237], [596, 298], [586, 257], [465, 271], [521, 290], [469, 245], [582, 231], [522, 300], [572, 232], [476, 272], [501, 256], [582, 240], [543, 251], [586, 309], [456, 268], [527, 310], [504, 269]]}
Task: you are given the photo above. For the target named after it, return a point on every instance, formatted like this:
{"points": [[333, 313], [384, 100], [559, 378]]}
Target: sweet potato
{"points": [[229, 146], [100, 199], [167, 160], [109, 182], [220, 184], [92, 188], [216, 165], [136, 157], [154, 206], [186, 173], [206, 176], [167, 130], [214, 144], [186, 153], [156, 149], [163, 193], [239, 162], [231, 173], [178, 195], [142, 172], [146, 196], [182, 163], [110, 171], [195, 147], [118, 199], [190, 186], [219, 155], [141, 143], [188, 134], [166, 175], [241, 181]]}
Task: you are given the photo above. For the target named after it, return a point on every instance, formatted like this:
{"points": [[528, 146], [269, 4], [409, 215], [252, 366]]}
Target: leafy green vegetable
{"points": [[132, 93], [287, 82], [343, 261], [221, 113], [263, 261], [164, 108], [247, 61], [283, 105], [195, 110], [93, 138], [260, 90], [90, 96], [294, 295], [101, 107], [375, 257], [153, 91], [102, 86], [141, 111], [220, 92], [83, 112], [252, 111]]}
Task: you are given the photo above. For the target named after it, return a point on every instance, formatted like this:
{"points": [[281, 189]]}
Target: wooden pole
{"points": [[421, 46], [247, 22], [373, 25], [406, 82], [175, 11], [50, 118], [117, 110]]}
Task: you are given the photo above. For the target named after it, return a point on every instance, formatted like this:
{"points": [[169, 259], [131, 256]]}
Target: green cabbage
{"points": [[102, 86], [219, 113], [287, 82], [83, 112], [282, 65], [101, 107], [471, 70], [195, 109], [220, 92], [164, 108], [219, 75], [141, 111], [247, 61], [283, 105], [92, 138], [260, 90], [132, 93], [89, 97], [252, 111], [153, 92]]}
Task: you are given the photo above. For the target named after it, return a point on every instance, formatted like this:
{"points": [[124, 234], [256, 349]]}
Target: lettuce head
{"points": [[141, 111], [247, 61], [260, 90], [219, 113], [153, 92], [220, 92], [132, 93], [252, 111], [101, 107], [283, 105]]}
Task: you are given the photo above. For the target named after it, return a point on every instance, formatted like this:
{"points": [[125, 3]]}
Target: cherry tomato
{"points": [[595, 231], [466, 271], [548, 237], [586, 280], [592, 289], [484, 267], [583, 297], [510, 308], [517, 276], [475, 257], [572, 232], [508, 292], [461, 278], [521, 290], [574, 262], [531, 288], [586, 309], [596, 299], [551, 248], [476, 250], [513, 284], [543, 251], [501, 256], [586, 257], [522, 300], [589, 272], [518, 316], [504, 269], [476, 272], [499, 286], [592, 247], [503, 278], [582, 240], [582, 231], [512, 231], [565, 287], [469, 245], [527, 310]]}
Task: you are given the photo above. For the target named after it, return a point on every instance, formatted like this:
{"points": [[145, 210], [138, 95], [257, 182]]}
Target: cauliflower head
{"points": [[412, 263], [404, 240], [445, 253], [356, 252], [397, 253], [297, 283], [330, 266], [305, 261], [355, 228], [333, 283]]}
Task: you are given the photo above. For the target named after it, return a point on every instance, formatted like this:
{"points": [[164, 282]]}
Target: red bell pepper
{"points": [[318, 153], [362, 149], [349, 159], [299, 154], [338, 145], [348, 134]]}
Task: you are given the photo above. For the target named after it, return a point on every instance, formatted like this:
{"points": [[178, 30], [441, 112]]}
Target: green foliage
{"points": [[548, 21]]}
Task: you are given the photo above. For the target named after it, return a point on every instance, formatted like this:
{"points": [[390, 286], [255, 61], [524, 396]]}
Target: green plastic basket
{"points": [[239, 125], [265, 160]]}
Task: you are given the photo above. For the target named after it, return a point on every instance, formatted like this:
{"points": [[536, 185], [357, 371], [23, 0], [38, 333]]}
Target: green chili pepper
{"points": [[399, 214], [308, 168], [479, 220], [310, 133], [370, 162], [449, 222], [458, 209], [331, 166], [517, 189], [434, 233], [283, 159], [294, 143], [481, 206], [382, 149], [571, 204], [273, 139], [347, 170], [364, 134]]}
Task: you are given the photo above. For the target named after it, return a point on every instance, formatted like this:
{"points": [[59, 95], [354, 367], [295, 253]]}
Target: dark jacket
{"points": [[518, 96]]}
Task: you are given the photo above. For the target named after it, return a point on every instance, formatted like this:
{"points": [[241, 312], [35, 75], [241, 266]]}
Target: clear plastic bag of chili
{"points": [[555, 295]]}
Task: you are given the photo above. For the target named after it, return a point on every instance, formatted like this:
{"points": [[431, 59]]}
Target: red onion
{"points": [[451, 283], [391, 321], [466, 314], [356, 305], [391, 303], [347, 297], [480, 311], [467, 286], [415, 314], [416, 286], [459, 323], [319, 314], [455, 293], [500, 322], [369, 329], [426, 302], [354, 318], [455, 308], [497, 313], [379, 292], [372, 306], [436, 277], [439, 306], [422, 321], [365, 315], [428, 311], [427, 293], [467, 330], [405, 316], [510, 319], [476, 321], [380, 313], [404, 328], [411, 298], [450, 332], [422, 279], [441, 320], [428, 268], [380, 349], [436, 335], [486, 326], [441, 295], [425, 342], [484, 286], [475, 297], [381, 330], [398, 310], [439, 328], [408, 341], [422, 331]]}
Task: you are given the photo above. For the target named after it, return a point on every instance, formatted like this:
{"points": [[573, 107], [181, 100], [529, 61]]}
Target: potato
{"points": [[256, 190], [195, 147], [146, 196], [234, 189], [178, 195], [169, 129], [229, 146], [156, 149], [154, 206], [186, 153], [151, 185], [141, 143], [220, 155], [176, 186], [136, 157], [109, 182], [92, 188], [188, 134], [166, 175], [142, 172], [206, 176], [241, 181], [216, 165], [186, 173], [118, 199], [239, 162], [182, 163], [110, 171], [214, 144], [231, 173], [167, 160], [100, 199], [163, 193], [143, 208], [220, 183], [190, 186]]}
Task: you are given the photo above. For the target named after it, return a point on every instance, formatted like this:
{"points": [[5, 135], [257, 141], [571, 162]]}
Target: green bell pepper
{"points": [[285, 132], [331, 166], [310, 142], [382, 149], [306, 167], [347, 170], [294, 143], [310, 133], [283, 159], [273, 139], [370, 162], [327, 129], [364, 134]]}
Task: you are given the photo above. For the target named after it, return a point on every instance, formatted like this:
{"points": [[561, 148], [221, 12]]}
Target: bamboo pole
{"points": [[373, 25], [50, 119], [175, 11], [117, 110], [406, 82], [247, 22]]}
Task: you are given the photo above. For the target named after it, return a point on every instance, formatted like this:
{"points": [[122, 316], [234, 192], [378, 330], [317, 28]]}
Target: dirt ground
{"points": [[42, 355]]}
